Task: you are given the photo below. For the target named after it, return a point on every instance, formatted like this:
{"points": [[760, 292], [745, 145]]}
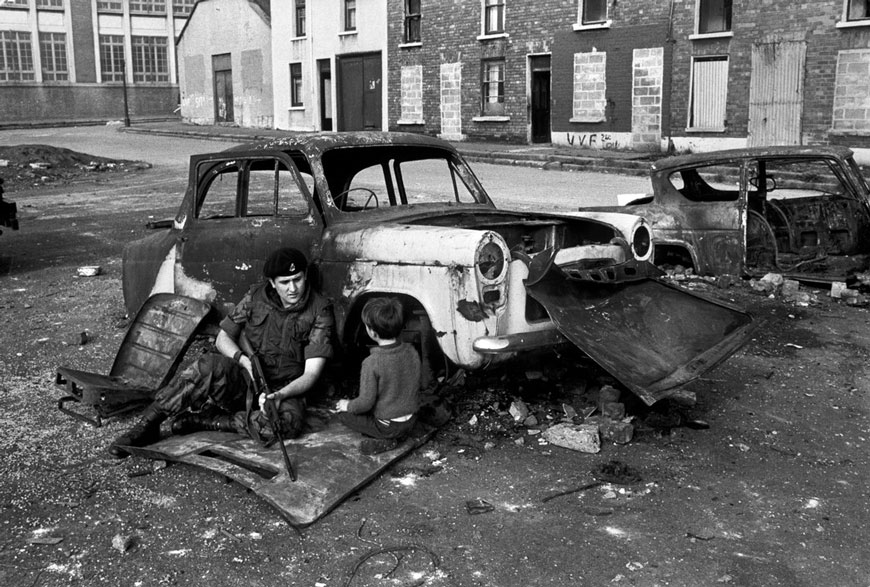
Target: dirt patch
{"points": [[23, 167]]}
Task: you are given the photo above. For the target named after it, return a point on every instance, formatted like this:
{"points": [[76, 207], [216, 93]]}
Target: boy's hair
{"points": [[384, 316]]}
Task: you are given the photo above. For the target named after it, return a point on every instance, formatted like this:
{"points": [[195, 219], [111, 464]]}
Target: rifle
{"points": [[269, 406]]}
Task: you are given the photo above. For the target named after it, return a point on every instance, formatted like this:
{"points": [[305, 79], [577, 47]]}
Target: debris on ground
{"points": [[26, 166]]}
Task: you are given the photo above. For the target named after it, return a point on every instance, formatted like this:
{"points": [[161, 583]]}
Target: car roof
{"points": [[784, 151], [312, 143]]}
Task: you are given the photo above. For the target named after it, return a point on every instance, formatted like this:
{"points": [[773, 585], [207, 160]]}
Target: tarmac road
{"points": [[773, 494]]}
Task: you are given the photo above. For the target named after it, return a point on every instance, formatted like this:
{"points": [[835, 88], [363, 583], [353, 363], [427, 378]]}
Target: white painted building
{"points": [[329, 66]]}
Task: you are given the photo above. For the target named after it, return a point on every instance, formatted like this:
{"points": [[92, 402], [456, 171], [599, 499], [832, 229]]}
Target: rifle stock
{"points": [[270, 407]]}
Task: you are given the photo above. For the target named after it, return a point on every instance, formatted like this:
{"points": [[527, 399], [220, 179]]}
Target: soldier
{"points": [[289, 326]]}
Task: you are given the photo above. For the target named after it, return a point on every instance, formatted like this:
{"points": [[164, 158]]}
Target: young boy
{"points": [[386, 407]]}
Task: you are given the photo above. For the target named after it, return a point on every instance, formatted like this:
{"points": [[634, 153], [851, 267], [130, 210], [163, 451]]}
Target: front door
{"points": [[223, 88], [359, 92], [325, 94], [540, 70], [776, 93]]}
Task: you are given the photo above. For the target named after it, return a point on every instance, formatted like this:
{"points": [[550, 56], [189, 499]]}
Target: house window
{"points": [[110, 6], [112, 58], [15, 4], [147, 6], [714, 16], [296, 84], [52, 50], [492, 88], [412, 21], [858, 10], [709, 91], [300, 18], [182, 7], [593, 11], [150, 63], [493, 17], [50, 4], [16, 57], [349, 15]]}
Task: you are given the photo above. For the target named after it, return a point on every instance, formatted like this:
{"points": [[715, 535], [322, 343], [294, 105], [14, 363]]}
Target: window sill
{"points": [[587, 120], [297, 39], [410, 122], [347, 33], [491, 119], [492, 37], [705, 36], [296, 108], [850, 24], [410, 45], [592, 27], [697, 130], [842, 132]]}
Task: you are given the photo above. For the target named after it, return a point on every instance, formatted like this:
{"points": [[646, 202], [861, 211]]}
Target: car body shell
{"points": [[749, 211], [460, 265]]}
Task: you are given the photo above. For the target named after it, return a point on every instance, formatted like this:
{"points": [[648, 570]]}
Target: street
{"points": [[762, 481]]}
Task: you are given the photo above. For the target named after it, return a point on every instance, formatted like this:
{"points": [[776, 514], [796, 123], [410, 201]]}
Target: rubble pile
{"points": [[585, 411], [25, 166], [777, 286]]}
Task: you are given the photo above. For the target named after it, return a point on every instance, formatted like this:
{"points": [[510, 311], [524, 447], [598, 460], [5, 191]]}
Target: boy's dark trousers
{"points": [[371, 426]]}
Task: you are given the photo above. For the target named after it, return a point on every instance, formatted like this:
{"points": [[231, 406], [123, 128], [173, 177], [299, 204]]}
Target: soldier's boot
{"points": [[189, 423], [146, 431]]}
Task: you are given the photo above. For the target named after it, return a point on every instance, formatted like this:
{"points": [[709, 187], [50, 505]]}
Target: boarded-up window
{"points": [[709, 92], [590, 87], [851, 88], [412, 94]]}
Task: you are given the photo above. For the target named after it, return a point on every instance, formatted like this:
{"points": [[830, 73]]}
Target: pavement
{"points": [[539, 155]]}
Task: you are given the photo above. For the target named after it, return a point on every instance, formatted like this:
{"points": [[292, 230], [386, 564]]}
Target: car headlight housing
{"points": [[641, 242], [490, 261]]}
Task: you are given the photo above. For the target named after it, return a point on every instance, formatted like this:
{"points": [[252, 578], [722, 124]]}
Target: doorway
{"points": [[222, 66], [325, 71], [539, 67], [360, 92]]}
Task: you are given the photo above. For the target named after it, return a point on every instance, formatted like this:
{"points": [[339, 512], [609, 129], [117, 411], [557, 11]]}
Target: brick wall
{"points": [[773, 21]]}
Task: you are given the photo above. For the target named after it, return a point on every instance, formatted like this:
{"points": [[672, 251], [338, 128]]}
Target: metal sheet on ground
{"points": [[328, 464], [651, 336]]}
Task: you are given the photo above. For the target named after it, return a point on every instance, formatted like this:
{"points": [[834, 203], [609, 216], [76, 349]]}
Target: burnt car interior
{"points": [[800, 211], [364, 179]]}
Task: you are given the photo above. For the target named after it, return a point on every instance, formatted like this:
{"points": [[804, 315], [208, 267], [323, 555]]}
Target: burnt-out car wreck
{"points": [[395, 214], [800, 211]]}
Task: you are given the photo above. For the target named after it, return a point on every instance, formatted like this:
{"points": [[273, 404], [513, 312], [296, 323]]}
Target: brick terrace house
{"points": [[590, 73], [67, 60], [771, 72], [636, 74]]}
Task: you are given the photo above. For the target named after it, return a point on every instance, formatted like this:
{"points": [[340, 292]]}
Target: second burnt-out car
{"points": [[801, 211], [480, 284]]}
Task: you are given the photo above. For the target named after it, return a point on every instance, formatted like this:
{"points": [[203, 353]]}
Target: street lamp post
{"points": [[124, 80]]}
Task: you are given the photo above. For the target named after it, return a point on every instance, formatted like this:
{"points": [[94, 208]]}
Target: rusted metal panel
{"points": [[651, 336], [328, 463], [776, 93], [151, 350]]}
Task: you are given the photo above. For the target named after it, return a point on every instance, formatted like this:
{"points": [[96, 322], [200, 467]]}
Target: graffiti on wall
{"points": [[598, 140]]}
